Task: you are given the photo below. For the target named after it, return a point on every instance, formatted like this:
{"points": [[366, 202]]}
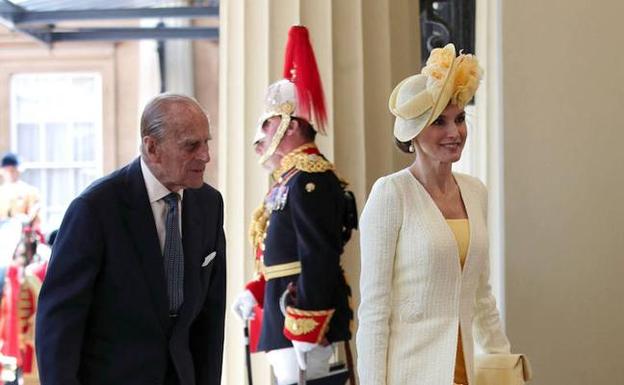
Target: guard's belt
{"points": [[281, 270]]}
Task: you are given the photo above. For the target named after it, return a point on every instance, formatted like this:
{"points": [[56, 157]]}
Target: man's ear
{"points": [[151, 148], [293, 127]]}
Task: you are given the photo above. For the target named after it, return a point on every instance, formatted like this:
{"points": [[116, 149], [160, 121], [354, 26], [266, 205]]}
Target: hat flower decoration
{"points": [[419, 99]]}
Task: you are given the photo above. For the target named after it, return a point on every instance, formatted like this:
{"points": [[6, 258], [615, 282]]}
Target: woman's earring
{"points": [[411, 148]]}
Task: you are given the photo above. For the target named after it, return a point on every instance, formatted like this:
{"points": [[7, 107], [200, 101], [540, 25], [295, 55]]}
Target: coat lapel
{"points": [[143, 230], [449, 238], [444, 233], [469, 203]]}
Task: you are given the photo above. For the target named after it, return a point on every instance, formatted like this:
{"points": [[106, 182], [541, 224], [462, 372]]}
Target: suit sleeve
{"points": [[66, 295], [488, 330], [316, 212], [379, 230], [208, 329]]}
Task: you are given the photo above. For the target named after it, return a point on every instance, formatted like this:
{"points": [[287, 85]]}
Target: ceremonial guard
{"points": [[24, 277], [299, 231], [19, 209]]}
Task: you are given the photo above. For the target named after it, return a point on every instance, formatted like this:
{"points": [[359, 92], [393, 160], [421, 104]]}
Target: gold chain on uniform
{"points": [[295, 159], [258, 226]]}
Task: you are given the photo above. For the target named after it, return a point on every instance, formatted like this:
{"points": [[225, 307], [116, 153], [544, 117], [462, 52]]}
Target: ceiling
{"points": [[51, 21]]}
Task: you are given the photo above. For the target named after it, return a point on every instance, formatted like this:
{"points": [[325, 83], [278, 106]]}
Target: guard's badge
{"points": [[300, 326], [306, 325], [310, 187]]}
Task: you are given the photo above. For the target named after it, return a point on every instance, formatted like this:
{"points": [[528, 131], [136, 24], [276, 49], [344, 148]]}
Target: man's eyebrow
{"points": [[187, 140]]}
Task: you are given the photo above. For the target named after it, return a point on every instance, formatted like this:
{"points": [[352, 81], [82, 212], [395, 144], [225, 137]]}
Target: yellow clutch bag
{"points": [[502, 369]]}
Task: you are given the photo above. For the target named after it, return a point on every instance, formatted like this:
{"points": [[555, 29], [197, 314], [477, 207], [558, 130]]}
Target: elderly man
{"points": [[135, 289]]}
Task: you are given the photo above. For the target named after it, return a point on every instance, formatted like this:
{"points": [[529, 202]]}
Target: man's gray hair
{"points": [[155, 115]]}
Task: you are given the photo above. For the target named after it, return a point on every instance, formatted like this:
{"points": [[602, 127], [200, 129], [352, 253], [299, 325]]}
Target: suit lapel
{"points": [[143, 229]]}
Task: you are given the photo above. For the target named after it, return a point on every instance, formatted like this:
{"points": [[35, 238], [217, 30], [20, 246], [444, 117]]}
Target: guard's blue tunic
{"points": [[306, 225]]}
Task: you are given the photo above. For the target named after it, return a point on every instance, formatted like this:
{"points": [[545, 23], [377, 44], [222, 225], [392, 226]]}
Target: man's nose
{"points": [[204, 154]]}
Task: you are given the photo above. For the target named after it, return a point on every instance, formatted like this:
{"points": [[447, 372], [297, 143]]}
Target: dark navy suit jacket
{"points": [[102, 316]]}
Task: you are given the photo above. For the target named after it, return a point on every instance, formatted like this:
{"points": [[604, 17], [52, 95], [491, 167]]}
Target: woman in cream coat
{"points": [[424, 241]]}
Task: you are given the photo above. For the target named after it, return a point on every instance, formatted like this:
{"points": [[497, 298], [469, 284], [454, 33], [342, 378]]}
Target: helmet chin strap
{"points": [[277, 138]]}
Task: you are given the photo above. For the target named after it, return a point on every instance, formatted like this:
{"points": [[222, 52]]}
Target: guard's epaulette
{"points": [[312, 163], [306, 158]]}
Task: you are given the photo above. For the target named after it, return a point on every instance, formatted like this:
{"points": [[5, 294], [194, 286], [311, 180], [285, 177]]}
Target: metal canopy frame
{"points": [[41, 24]]}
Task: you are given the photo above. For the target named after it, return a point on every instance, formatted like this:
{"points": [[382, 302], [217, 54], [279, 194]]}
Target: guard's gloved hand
{"points": [[244, 305], [301, 348]]}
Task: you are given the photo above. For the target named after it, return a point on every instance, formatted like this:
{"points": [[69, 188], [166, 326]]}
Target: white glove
{"points": [[301, 348], [244, 304]]}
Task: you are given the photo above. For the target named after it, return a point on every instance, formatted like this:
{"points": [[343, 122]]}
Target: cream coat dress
{"points": [[414, 294]]}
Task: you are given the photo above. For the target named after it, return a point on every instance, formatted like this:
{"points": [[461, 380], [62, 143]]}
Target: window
{"points": [[446, 21], [56, 129]]}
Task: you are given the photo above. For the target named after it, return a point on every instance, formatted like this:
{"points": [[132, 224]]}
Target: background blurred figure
{"points": [[23, 279], [19, 240], [18, 199]]}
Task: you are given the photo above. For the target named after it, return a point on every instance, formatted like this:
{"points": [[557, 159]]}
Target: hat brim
{"points": [[407, 129]]}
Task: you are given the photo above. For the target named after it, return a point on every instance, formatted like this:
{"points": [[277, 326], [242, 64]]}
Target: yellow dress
{"points": [[461, 230]]}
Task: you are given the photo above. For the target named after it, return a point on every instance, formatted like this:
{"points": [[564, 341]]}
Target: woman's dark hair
{"points": [[403, 146]]}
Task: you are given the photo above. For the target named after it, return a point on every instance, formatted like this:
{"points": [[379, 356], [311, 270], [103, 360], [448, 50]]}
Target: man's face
{"points": [[181, 157], [9, 174]]}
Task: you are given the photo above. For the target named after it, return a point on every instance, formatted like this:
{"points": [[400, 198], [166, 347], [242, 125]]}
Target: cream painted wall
{"points": [[563, 90], [206, 67], [126, 109]]}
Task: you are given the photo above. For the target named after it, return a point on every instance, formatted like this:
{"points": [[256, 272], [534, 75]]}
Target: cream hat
{"points": [[419, 99]]}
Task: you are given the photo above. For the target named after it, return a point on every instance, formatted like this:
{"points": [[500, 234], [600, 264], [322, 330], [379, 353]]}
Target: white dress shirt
{"points": [[156, 192]]}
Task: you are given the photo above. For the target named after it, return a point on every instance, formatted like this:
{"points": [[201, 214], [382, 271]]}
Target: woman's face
{"points": [[444, 139]]}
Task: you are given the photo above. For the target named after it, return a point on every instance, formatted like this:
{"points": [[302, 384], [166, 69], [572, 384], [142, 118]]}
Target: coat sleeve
{"points": [[206, 335], [487, 326], [379, 229], [316, 207], [66, 295]]}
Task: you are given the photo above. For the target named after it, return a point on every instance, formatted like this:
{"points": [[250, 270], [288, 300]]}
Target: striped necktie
{"points": [[173, 255]]}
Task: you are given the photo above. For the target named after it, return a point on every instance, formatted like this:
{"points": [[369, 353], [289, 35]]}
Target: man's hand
{"points": [[244, 305]]}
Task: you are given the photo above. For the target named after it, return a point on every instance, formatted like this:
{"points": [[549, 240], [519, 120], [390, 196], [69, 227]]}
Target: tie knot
{"points": [[171, 199]]}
